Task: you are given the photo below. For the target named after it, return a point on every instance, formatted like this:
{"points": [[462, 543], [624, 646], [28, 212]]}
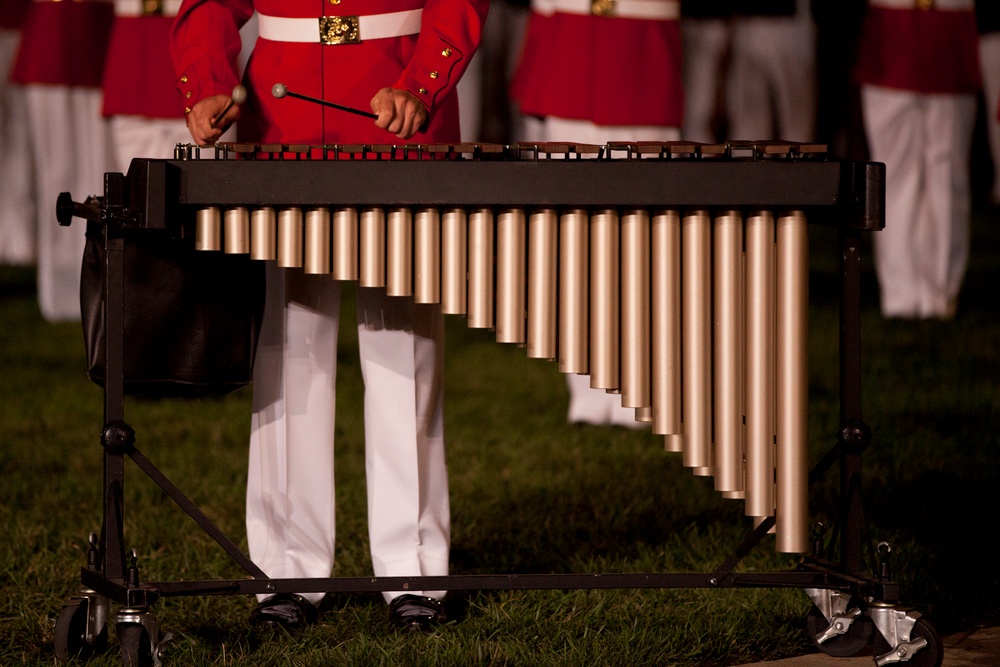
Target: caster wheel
{"points": [[931, 655], [849, 644], [137, 647], [71, 634]]}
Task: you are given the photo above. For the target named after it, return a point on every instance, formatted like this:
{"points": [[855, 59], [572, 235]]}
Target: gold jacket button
{"points": [[446, 53], [422, 90], [187, 109], [434, 74], [184, 79]]}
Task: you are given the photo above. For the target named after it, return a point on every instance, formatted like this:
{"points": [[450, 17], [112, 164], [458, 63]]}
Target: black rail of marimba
{"points": [[154, 194]]}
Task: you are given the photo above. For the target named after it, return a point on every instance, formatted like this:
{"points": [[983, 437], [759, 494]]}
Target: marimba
{"points": [[674, 274]]}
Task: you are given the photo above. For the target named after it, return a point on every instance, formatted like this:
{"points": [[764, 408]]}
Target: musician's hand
{"points": [[399, 111], [202, 123]]}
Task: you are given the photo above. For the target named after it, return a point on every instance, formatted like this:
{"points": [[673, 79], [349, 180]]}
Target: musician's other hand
{"points": [[399, 111], [204, 121]]}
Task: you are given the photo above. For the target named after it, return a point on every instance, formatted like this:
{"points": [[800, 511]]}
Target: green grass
{"points": [[529, 494]]}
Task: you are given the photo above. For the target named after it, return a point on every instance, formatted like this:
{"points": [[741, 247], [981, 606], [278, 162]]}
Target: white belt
{"points": [[339, 29], [943, 5], [147, 7], [656, 10]]}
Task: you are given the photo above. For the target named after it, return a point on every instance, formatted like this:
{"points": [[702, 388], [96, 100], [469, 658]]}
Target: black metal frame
{"points": [[156, 193]]}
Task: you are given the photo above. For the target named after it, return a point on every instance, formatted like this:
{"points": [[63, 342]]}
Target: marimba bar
{"points": [[675, 275]]}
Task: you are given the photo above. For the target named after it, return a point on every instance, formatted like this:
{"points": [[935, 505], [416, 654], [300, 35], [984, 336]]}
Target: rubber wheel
{"points": [[846, 645], [71, 634], [137, 651], [931, 655]]}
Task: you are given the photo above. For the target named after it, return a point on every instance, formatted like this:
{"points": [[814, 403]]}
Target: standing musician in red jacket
{"points": [[918, 67], [594, 71], [402, 59], [145, 115], [59, 65]]}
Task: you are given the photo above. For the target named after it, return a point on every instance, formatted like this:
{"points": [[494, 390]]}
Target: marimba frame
{"points": [[848, 601]]}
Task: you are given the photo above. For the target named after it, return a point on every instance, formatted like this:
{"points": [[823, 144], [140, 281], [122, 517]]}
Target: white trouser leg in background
{"points": [[924, 141], [706, 47], [989, 60], [18, 228], [70, 144], [138, 136], [772, 79]]}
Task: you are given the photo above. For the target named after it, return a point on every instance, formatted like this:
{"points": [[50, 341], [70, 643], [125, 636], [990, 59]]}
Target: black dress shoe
{"points": [[287, 611], [416, 613]]}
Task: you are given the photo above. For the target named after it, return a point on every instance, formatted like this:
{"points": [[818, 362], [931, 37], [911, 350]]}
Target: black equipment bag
{"points": [[191, 318]]}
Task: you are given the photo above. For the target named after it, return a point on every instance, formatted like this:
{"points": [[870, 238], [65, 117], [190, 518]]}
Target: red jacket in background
{"points": [[138, 73], [12, 13], [606, 69], [63, 43], [931, 50]]}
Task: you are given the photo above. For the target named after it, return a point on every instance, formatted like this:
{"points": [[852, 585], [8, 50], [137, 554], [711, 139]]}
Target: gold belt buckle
{"points": [[602, 7], [152, 7], [339, 30]]}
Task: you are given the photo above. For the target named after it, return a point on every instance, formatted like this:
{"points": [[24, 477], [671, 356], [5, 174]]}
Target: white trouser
{"points": [[290, 490], [706, 47], [989, 60], [70, 144], [771, 91], [586, 404], [138, 136], [924, 141], [17, 213]]}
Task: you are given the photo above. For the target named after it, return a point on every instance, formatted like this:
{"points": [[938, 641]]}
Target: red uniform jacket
{"points": [[63, 43], [205, 43], [921, 50], [138, 74], [12, 13], [604, 69]]}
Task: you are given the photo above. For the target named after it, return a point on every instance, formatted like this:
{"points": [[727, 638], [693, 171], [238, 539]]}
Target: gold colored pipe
{"points": [[574, 292], [236, 231], [727, 302], [454, 261], [635, 310], [666, 328], [208, 229], [792, 512], [543, 267], [511, 277], [290, 237], [481, 269], [427, 256], [760, 335], [317, 236], [605, 372], [263, 234], [344, 262], [372, 251], [399, 247], [696, 232]]}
